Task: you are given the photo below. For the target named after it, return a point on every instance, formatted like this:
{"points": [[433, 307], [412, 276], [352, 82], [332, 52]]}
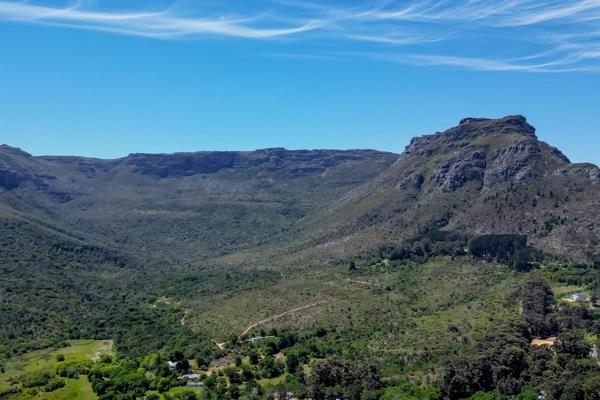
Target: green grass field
{"points": [[267, 382], [46, 361]]}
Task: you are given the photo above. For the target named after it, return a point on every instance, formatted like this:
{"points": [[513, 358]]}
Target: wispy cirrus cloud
{"points": [[161, 24], [485, 35]]}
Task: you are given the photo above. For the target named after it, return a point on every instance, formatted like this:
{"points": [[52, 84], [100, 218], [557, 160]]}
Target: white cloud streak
{"points": [[164, 24], [483, 35]]}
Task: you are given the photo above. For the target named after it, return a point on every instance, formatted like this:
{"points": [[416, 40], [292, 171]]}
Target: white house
{"points": [[257, 338], [172, 365], [579, 297]]}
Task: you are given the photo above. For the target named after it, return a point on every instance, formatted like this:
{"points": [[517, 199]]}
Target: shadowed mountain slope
{"points": [[184, 206]]}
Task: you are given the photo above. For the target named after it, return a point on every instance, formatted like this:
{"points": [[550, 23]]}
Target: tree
{"points": [[510, 249], [527, 393], [292, 362], [572, 343], [232, 339], [234, 391], [254, 357], [247, 374], [210, 382], [182, 366], [538, 302], [339, 372], [271, 368], [186, 395], [233, 375], [591, 386]]}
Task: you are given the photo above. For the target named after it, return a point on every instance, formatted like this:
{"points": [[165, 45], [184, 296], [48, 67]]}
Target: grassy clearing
{"points": [[176, 390], [47, 360], [591, 339], [167, 301], [564, 290], [272, 381]]}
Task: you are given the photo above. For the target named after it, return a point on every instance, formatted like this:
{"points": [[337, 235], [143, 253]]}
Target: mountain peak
{"points": [[470, 129], [508, 124], [481, 152], [4, 148]]}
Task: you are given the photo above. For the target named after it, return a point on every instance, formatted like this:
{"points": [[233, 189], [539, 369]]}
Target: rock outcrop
{"points": [[482, 176]]}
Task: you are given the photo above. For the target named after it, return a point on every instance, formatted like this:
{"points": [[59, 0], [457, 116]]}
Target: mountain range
{"points": [[483, 176]]}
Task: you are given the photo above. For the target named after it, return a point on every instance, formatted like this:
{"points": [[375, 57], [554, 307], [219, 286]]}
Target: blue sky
{"points": [[106, 78]]}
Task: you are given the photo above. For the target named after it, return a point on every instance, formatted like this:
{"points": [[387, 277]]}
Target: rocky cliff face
{"points": [[487, 151], [468, 165], [275, 160], [482, 176]]}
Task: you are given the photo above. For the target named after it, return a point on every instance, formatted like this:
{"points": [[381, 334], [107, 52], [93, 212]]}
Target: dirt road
{"points": [[283, 314]]}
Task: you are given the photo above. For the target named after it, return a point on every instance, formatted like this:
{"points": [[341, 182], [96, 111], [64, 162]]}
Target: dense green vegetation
{"points": [[389, 329], [504, 361]]}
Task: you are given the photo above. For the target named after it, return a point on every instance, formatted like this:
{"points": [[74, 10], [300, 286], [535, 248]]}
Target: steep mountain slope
{"points": [[483, 176]]}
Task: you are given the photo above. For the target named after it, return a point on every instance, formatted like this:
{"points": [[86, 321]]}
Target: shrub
{"points": [[54, 385], [36, 379], [73, 369]]}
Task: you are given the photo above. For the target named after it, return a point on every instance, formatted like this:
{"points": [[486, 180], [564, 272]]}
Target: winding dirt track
{"points": [[283, 314]]}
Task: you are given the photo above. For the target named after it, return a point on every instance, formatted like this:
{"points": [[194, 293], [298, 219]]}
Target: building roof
{"points": [[550, 341], [189, 376]]}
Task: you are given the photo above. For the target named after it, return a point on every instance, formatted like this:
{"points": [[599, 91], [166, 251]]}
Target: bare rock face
{"points": [[289, 163], [585, 171], [486, 153], [481, 151], [184, 164], [513, 160], [469, 130], [510, 124], [413, 181], [454, 174], [488, 176]]}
